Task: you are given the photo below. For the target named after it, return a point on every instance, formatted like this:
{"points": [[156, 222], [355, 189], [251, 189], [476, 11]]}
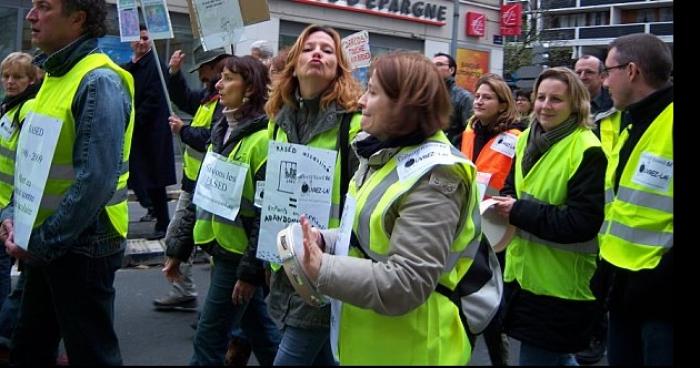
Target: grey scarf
{"points": [[540, 141]]}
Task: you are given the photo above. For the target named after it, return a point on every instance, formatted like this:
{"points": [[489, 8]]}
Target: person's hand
{"points": [[5, 228], [176, 61], [11, 247], [171, 269], [242, 292], [311, 261], [504, 205], [176, 124]]}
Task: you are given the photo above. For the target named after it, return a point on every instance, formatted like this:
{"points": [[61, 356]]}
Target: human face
{"points": [[375, 106], [141, 46], [587, 71], [618, 82], [14, 80], [552, 104], [51, 28], [206, 73], [231, 89], [318, 62], [523, 105], [486, 105], [443, 66]]}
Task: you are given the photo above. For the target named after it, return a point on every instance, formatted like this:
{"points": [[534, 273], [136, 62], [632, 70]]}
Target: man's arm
{"points": [[101, 111]]}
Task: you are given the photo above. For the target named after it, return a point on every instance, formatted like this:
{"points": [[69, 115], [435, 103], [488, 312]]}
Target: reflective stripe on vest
{"points": [[539, 266], [232, 235], [440, 337], [638, 228], [489, 161], [192, 159], [8, 148], [55, 99]]}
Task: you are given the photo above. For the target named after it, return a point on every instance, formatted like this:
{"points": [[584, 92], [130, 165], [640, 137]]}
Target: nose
{"points": [[605, 82], [31, 15], [218, 85]]}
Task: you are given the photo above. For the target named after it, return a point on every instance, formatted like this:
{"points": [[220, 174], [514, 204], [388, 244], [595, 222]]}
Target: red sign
{"points": [[511, 19], [476, 24]]}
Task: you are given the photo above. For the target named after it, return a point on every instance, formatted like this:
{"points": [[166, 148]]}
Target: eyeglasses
{"points": [[439, 64], [609, 68]]}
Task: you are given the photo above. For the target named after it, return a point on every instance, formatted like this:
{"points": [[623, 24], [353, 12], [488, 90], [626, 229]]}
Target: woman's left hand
{"points": [[242, 292], [311, 262], [504, 205]]}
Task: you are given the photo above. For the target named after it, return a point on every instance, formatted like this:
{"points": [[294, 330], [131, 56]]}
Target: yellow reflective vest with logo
{"points": [[540, 266], [431, 334], [8, 150], [54, 99], [192, 159], [638, 227], [232, 235]]}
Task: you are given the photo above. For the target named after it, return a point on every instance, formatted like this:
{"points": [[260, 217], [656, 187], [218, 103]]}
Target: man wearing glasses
{"points": [[462, 100], [636, 239], [591, 71]]}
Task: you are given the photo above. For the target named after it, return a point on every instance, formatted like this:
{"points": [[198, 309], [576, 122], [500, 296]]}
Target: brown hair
{"points": [[580, 98], [344, 90], [649, 53], [23, 61], [256, 78], [507, 119], [420, 97]]}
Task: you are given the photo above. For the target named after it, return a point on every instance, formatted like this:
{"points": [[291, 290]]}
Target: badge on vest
{"points": [[6, 127], [654, 172], [423, 158], [505, 144]]}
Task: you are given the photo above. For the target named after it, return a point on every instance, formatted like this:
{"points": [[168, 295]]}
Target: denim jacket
{"points": [[101, 109]]}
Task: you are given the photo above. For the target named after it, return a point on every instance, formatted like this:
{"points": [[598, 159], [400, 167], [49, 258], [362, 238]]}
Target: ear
{"points": [[248, 91], [78, 19], [634, 73]]}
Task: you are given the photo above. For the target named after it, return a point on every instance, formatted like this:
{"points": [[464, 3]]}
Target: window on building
{"points": [[666, 14]]}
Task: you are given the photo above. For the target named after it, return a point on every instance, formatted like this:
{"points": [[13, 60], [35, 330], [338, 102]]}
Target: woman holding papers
{"points": [[554, 196], [313, 103], [414, 223], [227, 221], [489, 141]]}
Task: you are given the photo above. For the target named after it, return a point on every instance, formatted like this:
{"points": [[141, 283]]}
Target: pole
{"points": [[455, 28]]}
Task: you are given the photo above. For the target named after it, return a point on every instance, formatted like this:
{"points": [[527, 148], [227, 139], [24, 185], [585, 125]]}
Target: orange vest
{"points": [[492, 158]]}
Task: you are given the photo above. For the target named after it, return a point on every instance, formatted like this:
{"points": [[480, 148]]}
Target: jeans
{"points": [[218, 315], [180, 230], [9, 313], [305, 346], [70, 298], [258, 329], [533, 355], [639, 342]]}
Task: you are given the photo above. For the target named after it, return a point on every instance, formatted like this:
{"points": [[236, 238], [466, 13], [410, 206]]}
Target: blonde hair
{"points": [[344, 89], [23, 61], [580, 98]]}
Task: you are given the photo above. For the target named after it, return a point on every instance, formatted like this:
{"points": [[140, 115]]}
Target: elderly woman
{"points": [[554, 197], [414, 222], [314, 95]]}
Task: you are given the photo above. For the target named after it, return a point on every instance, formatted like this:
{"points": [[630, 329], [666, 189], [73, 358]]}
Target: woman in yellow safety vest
{"points": [[414, 226], [554, 197], [20, 81], [313, 103]]}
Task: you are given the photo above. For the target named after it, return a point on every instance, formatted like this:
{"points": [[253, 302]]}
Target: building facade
{"points": [[424, 26]]}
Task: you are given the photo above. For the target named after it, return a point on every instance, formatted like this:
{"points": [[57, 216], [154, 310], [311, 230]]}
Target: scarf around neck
{"points": [[540, 141]]}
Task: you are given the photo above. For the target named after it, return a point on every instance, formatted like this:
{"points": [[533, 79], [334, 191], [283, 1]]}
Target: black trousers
{"points": [[72, 298], [159, 201]]}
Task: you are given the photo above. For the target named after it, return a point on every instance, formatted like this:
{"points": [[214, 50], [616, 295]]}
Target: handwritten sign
{"points": [[356, 47]]}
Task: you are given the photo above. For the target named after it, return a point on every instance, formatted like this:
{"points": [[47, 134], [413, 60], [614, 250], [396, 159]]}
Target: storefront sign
{"points": [[411, 10], [511, 19], [476, 24], [471, 65]]}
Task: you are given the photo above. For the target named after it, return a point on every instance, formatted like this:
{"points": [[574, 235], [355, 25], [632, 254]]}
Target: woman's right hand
{"points": [[172, 269], [175, 123]]}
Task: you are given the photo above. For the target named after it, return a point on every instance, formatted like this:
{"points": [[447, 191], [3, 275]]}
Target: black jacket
{"points": [[644, 294], [548, 322], [189, 101], [151, 160]]}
